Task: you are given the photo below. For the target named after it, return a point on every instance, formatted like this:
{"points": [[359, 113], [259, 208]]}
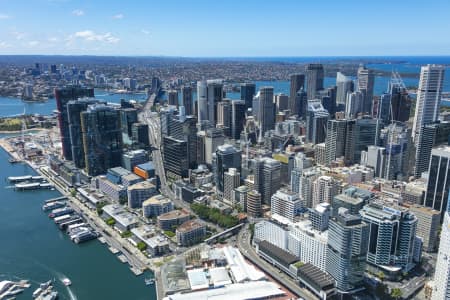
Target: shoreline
{"points": [[146, 264]]}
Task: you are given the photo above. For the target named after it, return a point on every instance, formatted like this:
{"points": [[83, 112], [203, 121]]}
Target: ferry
{"points": [[19, 178], [53, 205], [60, 212], [66, 281]]}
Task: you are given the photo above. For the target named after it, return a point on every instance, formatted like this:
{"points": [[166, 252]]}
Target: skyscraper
{"points": [[316, 122], [63, 96], [347, 250], [128, 116], [267, 109], [186, 99], [335, 140], [430, 135], [400, 103], [324, 188], [344, 86], [172, 97], [302, 104], [74, 110], [392, 236], [282, 102], [442, 274], [354, 104], [102, 138], [224, 116], [267, 172], [248, 90], [365, 83], [314, 77], [215, 95], [438, 183], [428, 97], [232, 180], [237, 118], [286, 203], [226, 157], [202, 101], [175, 157], [297, 83]]}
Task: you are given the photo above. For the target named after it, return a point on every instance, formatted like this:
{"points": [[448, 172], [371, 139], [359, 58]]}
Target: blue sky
{"points": [[225, 28]]}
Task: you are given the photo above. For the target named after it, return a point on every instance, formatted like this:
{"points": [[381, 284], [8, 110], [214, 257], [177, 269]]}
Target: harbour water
{"points": [[33, 248]]}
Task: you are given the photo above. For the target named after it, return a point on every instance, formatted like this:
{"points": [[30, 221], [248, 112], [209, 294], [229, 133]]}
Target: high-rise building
{"points": [[392, 236], [226, 157], [231, 181], [214, 137], [438, 183], [186, 100], [430, 135], [324, 189], [202, 101], [316, 122], [63, 96], [282, 102], [314, 77], [400, 103], [267, 173], [441, 288], [360, 134], [347, 250], [266, 109], [297, 83], [214, 96], [175, 156], [335, 140], [286, 204], [128, 116], [254, 204], [354, 104], [302, 104], [248, 90], [353, 199], [384, 108], [133, 158], [375, 157], [365, 83], [172, 97], [320, 216], [328, 98], [428, 97], [139, 134], [74, 110], [306, 185], [237, 118], [428, 221], [102, 138], [344, 86], [224, 116]]}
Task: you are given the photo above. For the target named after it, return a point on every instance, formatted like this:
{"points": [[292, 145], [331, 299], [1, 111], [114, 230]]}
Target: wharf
{"points": [[122, 258], [101, 240], [113, 250], [55, 199], [136, 271]]}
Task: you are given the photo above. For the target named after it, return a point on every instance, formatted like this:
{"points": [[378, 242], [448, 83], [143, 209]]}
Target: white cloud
{"points": [[145, 31], [33, 43], [78, 12], [53, 39], [91, 36], [4, 17], [4, 45], [18, 35], [118, 16]]}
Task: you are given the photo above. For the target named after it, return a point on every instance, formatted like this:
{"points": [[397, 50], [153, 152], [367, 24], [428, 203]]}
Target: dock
{"points": [[113, 250], [102, 240], [55, 199], [136, 271], [122, 258]]}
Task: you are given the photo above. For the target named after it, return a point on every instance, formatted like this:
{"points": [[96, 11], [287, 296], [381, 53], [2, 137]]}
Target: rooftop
{"points": [[142, 185], [189, 225], [173, 215], [277, 253]]}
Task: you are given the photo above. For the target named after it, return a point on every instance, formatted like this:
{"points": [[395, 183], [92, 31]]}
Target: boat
{"points": [[37, 292], [51, 295], [149, 281], [13, 160], [46, 285], [66, 281]]}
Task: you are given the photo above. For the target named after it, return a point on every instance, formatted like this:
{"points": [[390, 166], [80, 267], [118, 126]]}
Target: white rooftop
{"points": [[237, 291], [219, 276], [197, 279]]}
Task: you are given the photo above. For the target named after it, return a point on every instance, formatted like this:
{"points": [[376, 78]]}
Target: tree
{"points": [[110, 221], [141, 246], [396, 293], [381, 275]]}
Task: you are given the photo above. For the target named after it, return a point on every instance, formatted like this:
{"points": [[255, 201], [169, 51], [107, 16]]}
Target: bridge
{"points": [[232, 230]]}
